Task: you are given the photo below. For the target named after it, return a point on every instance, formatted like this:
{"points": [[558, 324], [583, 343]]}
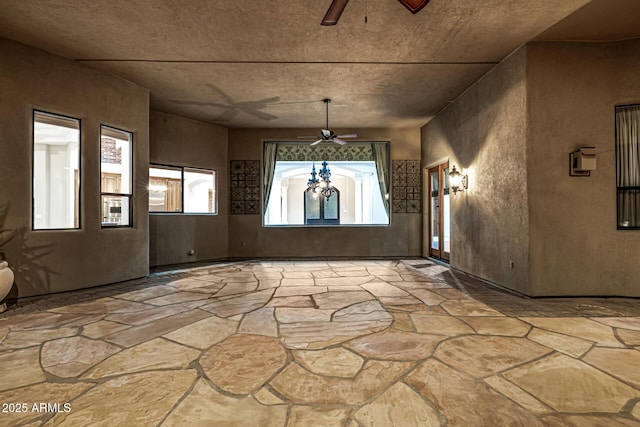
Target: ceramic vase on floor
{"points": [[6, 282]]}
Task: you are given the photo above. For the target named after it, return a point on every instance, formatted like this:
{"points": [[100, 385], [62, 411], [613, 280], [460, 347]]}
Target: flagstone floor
{"points": [[335, 343]]}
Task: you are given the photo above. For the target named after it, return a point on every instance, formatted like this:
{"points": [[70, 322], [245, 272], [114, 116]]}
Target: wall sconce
{"points": [[582, 162], [457, 181]]}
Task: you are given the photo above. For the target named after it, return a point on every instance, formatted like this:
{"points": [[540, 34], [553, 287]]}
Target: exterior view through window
{"points": [[116, 172], [172, 187], [358, 173], [56, 171]]}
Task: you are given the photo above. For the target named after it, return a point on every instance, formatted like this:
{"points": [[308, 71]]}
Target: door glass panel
{"points": [[435, 211], [312, 204], [446, 213], [331, 207]]}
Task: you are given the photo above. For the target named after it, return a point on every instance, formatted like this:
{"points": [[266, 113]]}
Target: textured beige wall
{"points": [[575, 247], [248, 238], [54, 261], [179, 141], [484, 132]]}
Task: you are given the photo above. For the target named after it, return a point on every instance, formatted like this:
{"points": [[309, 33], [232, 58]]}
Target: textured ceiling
{"points": [[248, 63]]}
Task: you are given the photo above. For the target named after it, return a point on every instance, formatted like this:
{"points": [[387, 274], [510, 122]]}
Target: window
{"points": [[116, 172], [359, 170], [628, 166], [56, 172], [172, 187]]}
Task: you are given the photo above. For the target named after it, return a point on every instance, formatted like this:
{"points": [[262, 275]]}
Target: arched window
{"points": [[320, 210]]}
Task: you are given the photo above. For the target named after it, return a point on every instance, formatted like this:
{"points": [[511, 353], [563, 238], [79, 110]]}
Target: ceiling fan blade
{"points": [[414, 6], [317, 142], [334, 12], [339, 141], [349, 135]]}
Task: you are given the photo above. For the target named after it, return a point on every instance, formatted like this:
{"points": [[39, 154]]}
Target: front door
{"points": [[439, 211]]}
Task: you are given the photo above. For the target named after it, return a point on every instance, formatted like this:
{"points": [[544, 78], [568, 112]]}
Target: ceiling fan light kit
{"points": [[327, 135]]}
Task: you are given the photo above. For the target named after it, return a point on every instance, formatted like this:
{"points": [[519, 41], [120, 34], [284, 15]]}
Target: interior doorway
{"points": [[437, 242]]}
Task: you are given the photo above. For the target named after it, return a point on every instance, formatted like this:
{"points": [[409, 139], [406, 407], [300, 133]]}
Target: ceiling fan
{"points": [[327, 135], [337, 7]]}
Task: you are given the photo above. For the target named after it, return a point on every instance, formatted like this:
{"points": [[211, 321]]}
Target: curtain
{"points": [[270, 152], [380, 156], [628, 165]]}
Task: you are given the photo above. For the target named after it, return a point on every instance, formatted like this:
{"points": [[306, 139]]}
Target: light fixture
{"points": [[457, 181], [324, 183]]}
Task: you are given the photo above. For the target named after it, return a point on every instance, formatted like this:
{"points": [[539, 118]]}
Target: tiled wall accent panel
{"points": [[245, 187], [407, 186]]}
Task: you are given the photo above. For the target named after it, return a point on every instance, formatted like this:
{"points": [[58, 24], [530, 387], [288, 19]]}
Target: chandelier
{"points": [[323, 185]]}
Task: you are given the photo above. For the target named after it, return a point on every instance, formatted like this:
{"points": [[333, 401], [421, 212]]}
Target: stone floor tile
{"points": [[43, 321], [154, 313], [22, 339], [139, 334], [408, 285], [566, 344], [260, 322], [268, 284], [587, 421], [176, 298], [617, 362], [204, 333], [452, 294], [296, 315], [388, 277], [515, 393], [19, 368], [569, 385], [577, 327], [102, 328], [43, 392], [239, 305], [305, 416], [102, 306], [242, 276], [465, 401], [303, 387], [338, 300], [440, 325], [264, 275], [70, 357], [395, 345], [350, 273], [3, 333], [632, 323], [505, 326], [398, 406], [396, 301], [242, 364], [266, 397], [336, 362], [206, 407], [381, 271], [299, 291], [190, 283], [297, 282], [297, 275], [155, 354], [480, 356], [323, 274], [296, 301], [147, 293], [635, 411], [427, 297], [132, 400], [344, 281], [237, 288], [630, 338], [319, 335], [469, 307], [402, 322]]}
